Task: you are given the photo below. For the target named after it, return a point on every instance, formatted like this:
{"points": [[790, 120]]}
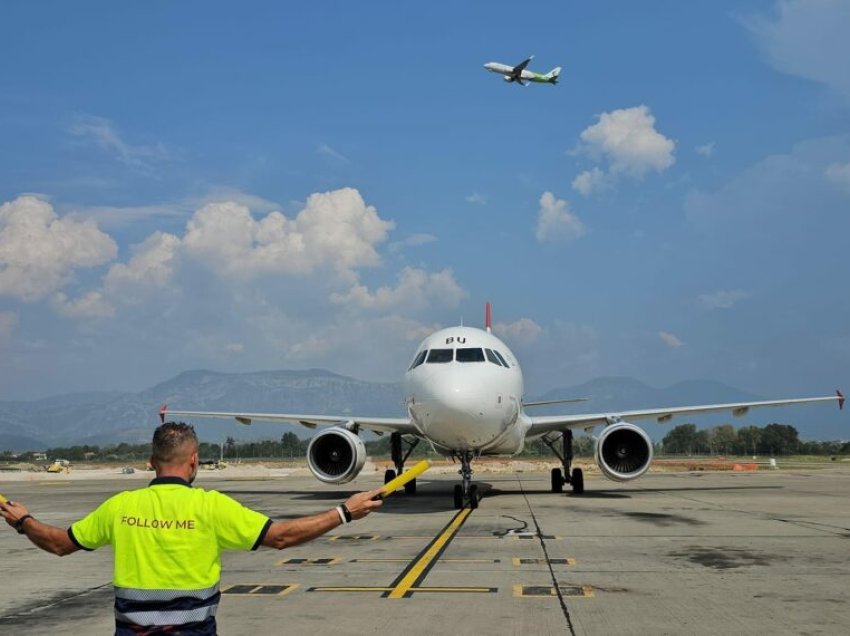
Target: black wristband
{"points": [[19, 524], [347, 513]]}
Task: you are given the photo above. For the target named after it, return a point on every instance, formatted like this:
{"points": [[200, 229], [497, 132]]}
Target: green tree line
{"points": [[773, 439]]}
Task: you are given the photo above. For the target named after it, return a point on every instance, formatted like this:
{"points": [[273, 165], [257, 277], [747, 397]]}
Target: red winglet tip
{"points": [[162, 411], [840, 399]]}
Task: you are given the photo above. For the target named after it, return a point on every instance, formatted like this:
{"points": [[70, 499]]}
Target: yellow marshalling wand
{"points": [[3, 499], [394, 484]]}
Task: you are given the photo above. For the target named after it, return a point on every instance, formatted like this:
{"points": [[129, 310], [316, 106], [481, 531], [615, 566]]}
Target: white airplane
{"points": [[522, 76], [463, 392]]}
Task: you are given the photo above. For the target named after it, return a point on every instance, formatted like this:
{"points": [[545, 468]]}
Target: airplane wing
{"points": [[519, 68], [551, 423], [378, 425]]}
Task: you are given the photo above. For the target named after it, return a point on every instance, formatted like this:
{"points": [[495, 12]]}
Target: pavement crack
{"points": [[556, 585], [52, 602]]}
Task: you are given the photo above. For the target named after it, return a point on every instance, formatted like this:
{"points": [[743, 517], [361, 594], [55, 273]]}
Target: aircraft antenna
{"points": [[488, 316]]}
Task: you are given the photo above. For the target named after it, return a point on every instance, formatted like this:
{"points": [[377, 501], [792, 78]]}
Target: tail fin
{"points": [[552, 76]]}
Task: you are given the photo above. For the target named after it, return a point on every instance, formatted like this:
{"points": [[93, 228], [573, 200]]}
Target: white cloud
{"points": [[670, 340], [808, 39], [327, 151], [839, 174], [416, 289], [722, 299], [476, 199], [590, 181], [91, 305], [151, 267], [39, 251], [523, 332], [234, 347], [628, 140], [555, 221], [628, 143], [102, 132], [336, 230], [706, 150]]}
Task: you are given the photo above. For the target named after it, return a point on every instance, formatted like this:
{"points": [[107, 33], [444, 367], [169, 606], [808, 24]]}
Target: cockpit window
{"points": [[492, 357], [501, 358], [440, 355], [469, 354], [419, 359]]}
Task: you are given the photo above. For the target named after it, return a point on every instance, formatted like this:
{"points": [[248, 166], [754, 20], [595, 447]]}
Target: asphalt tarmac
{"points": [[766, 552]]}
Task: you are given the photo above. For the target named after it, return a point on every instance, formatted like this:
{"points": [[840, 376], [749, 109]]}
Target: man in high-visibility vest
{"points": [[168, 538]]}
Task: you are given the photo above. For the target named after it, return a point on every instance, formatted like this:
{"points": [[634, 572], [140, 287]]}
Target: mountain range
{"points": [[102, 418]]}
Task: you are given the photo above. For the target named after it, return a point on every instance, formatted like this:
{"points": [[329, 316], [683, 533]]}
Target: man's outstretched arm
{"points": [[48, 538], [285, 534]]}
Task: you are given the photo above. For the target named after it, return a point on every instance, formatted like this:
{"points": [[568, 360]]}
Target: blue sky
{"points": [[206, 185]]}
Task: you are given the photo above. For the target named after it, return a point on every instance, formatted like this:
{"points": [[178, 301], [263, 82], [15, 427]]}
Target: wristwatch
{"points": [[19, 524]]}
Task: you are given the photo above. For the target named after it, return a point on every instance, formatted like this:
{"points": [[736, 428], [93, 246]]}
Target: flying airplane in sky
{"points": [[463, 392], [522, 76]]}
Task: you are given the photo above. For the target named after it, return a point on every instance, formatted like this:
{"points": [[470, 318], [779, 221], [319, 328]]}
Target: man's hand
{"points": [[12, 511], [363, 503]]}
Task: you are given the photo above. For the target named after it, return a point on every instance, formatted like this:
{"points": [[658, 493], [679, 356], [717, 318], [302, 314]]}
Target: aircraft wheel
{"points": [[578, 481], [458, 497], [557, 480], [389, 475], [473, 497], [410, 487]]}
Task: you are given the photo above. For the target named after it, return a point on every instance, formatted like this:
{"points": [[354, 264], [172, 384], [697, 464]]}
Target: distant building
{"points": [[39, 457], [89, 455]]}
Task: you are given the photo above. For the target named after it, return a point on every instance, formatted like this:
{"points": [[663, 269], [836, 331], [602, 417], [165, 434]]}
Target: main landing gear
{"points": [[559, 477], [399, 456], [467, 491]]}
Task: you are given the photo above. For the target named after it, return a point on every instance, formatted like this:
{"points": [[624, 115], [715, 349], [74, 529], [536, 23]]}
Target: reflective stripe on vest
{"points": [[165, 607]]}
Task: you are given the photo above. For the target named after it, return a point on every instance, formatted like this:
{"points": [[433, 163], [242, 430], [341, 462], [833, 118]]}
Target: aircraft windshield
{"points": [[501, 358], [492, 357], [469, 355], [419, 359], [440, 355]]}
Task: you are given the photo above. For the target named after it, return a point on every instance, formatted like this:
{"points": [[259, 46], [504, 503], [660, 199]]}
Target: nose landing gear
{"points": [[465, 492]]}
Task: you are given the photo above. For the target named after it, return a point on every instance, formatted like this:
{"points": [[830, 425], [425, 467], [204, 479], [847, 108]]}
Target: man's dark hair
{"points": [[169, 439]]}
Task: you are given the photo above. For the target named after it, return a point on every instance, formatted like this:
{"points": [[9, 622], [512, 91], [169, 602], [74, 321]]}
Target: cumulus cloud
{"points": [[103, 133], [839, 174], [590, 181], [722, 299], [39, 252], [628, 143], [90, 305], [150, 267], [476, 199], [670, 340], [706, 150], [335, 230], [523, 332], [416, 289], [555, 221], [809, 40]]}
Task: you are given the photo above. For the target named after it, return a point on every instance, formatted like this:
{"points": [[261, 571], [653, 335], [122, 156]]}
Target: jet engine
{"points": [[623, 451], [508, 78], [336, 455]]}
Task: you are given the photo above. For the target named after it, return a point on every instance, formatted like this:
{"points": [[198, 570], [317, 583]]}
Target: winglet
{"points": [[840, 399], [162, 411], [488, 316]]}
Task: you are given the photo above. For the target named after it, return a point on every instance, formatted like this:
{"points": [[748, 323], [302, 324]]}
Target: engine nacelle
{"points": [[508, 78], [336, 455], [623, 451]]}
